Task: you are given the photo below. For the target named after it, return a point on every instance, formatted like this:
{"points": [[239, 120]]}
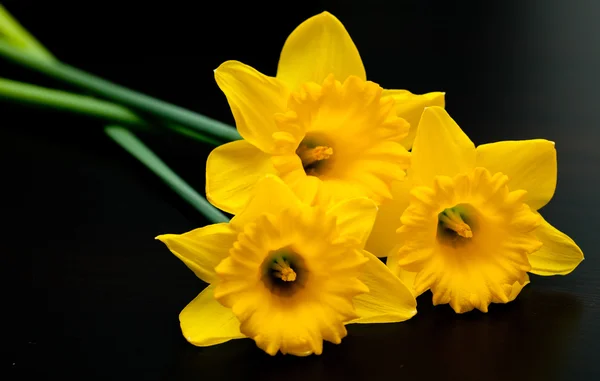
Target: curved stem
{"points": [[135, 147], [120, 94], [31, 95], [61, 100], [11, 29]]}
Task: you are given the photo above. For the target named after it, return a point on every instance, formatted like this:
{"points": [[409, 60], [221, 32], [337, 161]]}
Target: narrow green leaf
{"points": [[135, 147], [18, 36], [61, 100], [120, 94], [35, 53], [32, 95]]}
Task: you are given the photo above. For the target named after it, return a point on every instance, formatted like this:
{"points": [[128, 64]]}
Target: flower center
{"points": [[316, 155], [284, 272], [456, 224], [345, 134]]}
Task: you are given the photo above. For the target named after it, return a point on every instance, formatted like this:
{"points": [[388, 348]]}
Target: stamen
{"points": [[453, 220], [283, 270], [312, 155]]}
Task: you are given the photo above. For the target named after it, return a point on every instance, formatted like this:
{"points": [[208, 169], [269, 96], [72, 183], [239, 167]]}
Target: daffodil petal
{"points": [[270, 195], [559, 254], [383, 236], [202, 249], [355, 218], [232, 171], [254, 99], [529, 165], [407, 277], [517, 287], [307, 188], [316, 48], [206, 322], [388, 299], [410, 107], [440, 148]]}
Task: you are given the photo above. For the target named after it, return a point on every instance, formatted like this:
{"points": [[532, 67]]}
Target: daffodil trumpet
{"points": [[319, 125], [287, 274], [465, 223]]}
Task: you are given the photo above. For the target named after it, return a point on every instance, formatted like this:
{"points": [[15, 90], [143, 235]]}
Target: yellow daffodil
{"points": [[319, 124], [466, 218], [288, 275]]}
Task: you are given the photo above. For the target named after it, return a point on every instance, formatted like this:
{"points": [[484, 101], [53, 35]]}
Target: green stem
{"points": [[19, 36], [42, 60], [135, 147], [120, 94], [61, 100], [32, 95]]}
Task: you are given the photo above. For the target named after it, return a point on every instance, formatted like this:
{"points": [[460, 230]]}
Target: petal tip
{"points": [[225, 66], [435, 95], [327, 15], [163, 237]]}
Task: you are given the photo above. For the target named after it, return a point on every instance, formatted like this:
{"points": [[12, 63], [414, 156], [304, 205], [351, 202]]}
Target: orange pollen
{"points": [[283, 271], [312, 155], [454, 221]]}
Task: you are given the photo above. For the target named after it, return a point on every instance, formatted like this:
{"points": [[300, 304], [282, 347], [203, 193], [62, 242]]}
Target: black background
{"points": [[88, 292]]}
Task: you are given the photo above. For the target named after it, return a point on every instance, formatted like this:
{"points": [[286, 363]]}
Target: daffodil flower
{"points": [[466, 218], [288, 275], [319, 124]]}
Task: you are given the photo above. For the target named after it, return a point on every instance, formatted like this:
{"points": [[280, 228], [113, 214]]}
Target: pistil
{"points": [[453, 220], [310, 156], [282, 270]]}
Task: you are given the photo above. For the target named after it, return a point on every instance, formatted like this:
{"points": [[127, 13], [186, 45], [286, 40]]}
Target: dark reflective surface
{"points": [[89, 292]]}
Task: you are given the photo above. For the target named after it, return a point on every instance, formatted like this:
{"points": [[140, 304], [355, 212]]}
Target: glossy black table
{"points": [[89, 292]]}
